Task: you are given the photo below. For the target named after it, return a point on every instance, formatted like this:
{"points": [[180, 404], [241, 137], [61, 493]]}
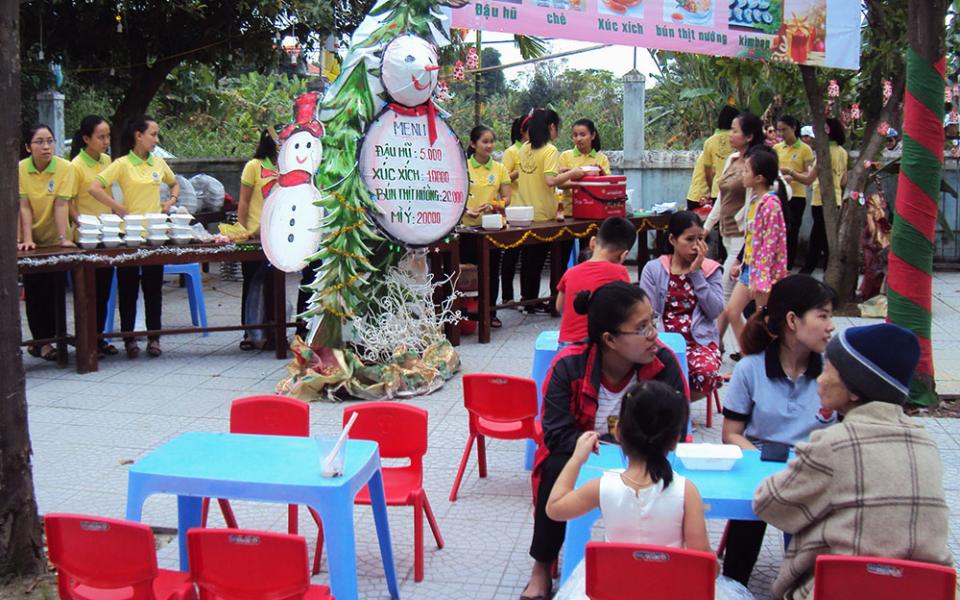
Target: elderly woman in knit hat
{"points": [[869, 486]]}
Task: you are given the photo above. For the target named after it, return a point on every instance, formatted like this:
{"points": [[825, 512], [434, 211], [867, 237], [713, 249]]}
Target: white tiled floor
{"points": [[85, 429]]}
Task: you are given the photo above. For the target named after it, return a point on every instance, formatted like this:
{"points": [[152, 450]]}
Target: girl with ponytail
{"points": [[539, 175], [764, 255], [585, 389], [773, 396], [647, 503]]}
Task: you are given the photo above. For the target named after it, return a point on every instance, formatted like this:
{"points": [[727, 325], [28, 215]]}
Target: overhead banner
{"points": [[821, 33]]}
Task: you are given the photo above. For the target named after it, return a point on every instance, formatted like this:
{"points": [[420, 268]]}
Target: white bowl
{"points": [[133, 242], [88, 245], [111, 220], [86, 230], [158, 228], [177, 229], [181, 240], [157, 240], [590, 170], [112, 242], [134, 219], [709, 457], [88, 221], [87, 236], [517, 215], [155, 218], [111, 231], [494, 221], [181, 218]]}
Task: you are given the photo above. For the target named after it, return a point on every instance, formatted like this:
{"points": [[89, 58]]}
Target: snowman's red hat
{"points": [[304, 109]]}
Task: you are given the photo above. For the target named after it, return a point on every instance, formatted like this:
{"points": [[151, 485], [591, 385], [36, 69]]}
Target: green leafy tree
{"points": [[494, 82], [132, 57]]}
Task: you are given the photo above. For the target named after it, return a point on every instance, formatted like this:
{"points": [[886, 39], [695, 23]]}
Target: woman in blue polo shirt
{"points": [[773, 395]]}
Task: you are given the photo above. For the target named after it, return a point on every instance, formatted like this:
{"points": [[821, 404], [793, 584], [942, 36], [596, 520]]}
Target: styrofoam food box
{"points": [[709, 457]]}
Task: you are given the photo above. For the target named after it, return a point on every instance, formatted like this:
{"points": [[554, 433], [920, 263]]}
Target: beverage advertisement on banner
{"points": [[822, 33]]}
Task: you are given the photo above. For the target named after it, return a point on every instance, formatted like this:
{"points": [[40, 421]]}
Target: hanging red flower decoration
{"points": [[887, 91], [473, 59], [458, 71], [855, 113], [833, 90]]}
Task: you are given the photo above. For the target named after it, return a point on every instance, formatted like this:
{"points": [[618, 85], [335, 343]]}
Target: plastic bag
{"points": [[874, 308], [728, 589], [188, 196], [210, 191]]}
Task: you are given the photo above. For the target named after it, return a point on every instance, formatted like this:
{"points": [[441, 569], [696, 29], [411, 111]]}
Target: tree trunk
{"points": [[21, 539], [144, 83], [918, 189], [821, 147], [844, 265]]}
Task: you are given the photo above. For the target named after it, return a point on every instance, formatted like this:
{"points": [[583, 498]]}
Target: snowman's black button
{"points": [[292, 222], [290, 238]]}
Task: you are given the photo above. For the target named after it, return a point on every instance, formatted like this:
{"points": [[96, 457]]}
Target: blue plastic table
{"points": [[726, 494], [269, 468]]}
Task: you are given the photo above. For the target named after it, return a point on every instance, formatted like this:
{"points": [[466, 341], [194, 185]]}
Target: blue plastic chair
{"points": [[194, 279], [574, 254], [544, 351], [678, 344]]}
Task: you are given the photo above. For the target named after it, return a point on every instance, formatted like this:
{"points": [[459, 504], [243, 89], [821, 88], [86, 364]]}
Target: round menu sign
{"points": [[414, 167]]}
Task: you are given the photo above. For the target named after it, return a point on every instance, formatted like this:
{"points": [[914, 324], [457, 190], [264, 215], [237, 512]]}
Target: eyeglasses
{"points": [[648, 331], [46, 142]]}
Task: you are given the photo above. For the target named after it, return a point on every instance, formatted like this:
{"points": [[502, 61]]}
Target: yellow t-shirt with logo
{"points": [[797, 156], [572, 159], [256, 174], [58, 181], [698, 183], [748, 237], [87, 170], [535, 165], [511, 162], [139, 180], [838, 166], [485, 182], [716, 150]]}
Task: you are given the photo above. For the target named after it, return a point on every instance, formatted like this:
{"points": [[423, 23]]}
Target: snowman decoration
{"points": [[290, 225], [411, 160]]}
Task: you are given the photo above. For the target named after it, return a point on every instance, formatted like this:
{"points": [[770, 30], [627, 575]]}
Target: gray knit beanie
{"points": [[876, 362]]}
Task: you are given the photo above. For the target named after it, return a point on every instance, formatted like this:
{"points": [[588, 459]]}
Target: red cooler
{"points": [[600, 197]]}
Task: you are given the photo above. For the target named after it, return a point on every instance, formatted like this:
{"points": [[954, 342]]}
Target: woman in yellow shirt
{"points": [[539, 176], [259, 175], [46, 185], [90, 158], [794, 157], [489, 194], [139, 175], [817, 245], [585, 153], [511, 162]]}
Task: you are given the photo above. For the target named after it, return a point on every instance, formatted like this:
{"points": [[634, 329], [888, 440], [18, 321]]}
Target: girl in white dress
{"points": [[647, 503]]}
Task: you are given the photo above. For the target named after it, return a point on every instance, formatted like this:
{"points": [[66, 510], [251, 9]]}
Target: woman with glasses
{"points": [[583, 393], [47, 183], [773, 395]]}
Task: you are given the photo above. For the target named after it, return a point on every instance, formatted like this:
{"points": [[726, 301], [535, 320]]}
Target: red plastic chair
{"points": [[501, 407], [614, 570], [269, 415], [241, 564], [98, 557], [873, 578], [401, 432]]}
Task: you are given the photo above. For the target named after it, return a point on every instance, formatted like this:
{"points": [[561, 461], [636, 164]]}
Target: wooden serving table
{"points": [[543, 232], [82, 264]]}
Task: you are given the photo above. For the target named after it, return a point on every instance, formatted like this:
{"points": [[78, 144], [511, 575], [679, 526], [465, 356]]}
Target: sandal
{"points": [[33, 351], [247, 345], [495, 323], [48, 352], [108, 349], [133, 350], [153, 348]]}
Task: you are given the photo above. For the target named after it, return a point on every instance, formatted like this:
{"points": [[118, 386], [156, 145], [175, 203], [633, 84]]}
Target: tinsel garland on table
{"points": [[113, 259]]}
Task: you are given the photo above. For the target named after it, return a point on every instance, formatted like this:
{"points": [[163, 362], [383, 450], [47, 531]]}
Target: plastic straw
{"points": [[340, 441]]}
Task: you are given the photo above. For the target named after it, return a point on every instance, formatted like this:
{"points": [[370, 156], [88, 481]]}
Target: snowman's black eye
{"points": [[296, 146], [409, 58], [308, 145]]}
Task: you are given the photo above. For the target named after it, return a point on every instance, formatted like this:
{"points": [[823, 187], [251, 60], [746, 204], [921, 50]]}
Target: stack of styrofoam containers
{"points": [[111, 230], [133, 230], [157, 228], [88, 231], [180, 232]]}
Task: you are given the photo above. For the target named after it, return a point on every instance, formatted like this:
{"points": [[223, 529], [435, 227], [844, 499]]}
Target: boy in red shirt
{"points": [[610, 247]]}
